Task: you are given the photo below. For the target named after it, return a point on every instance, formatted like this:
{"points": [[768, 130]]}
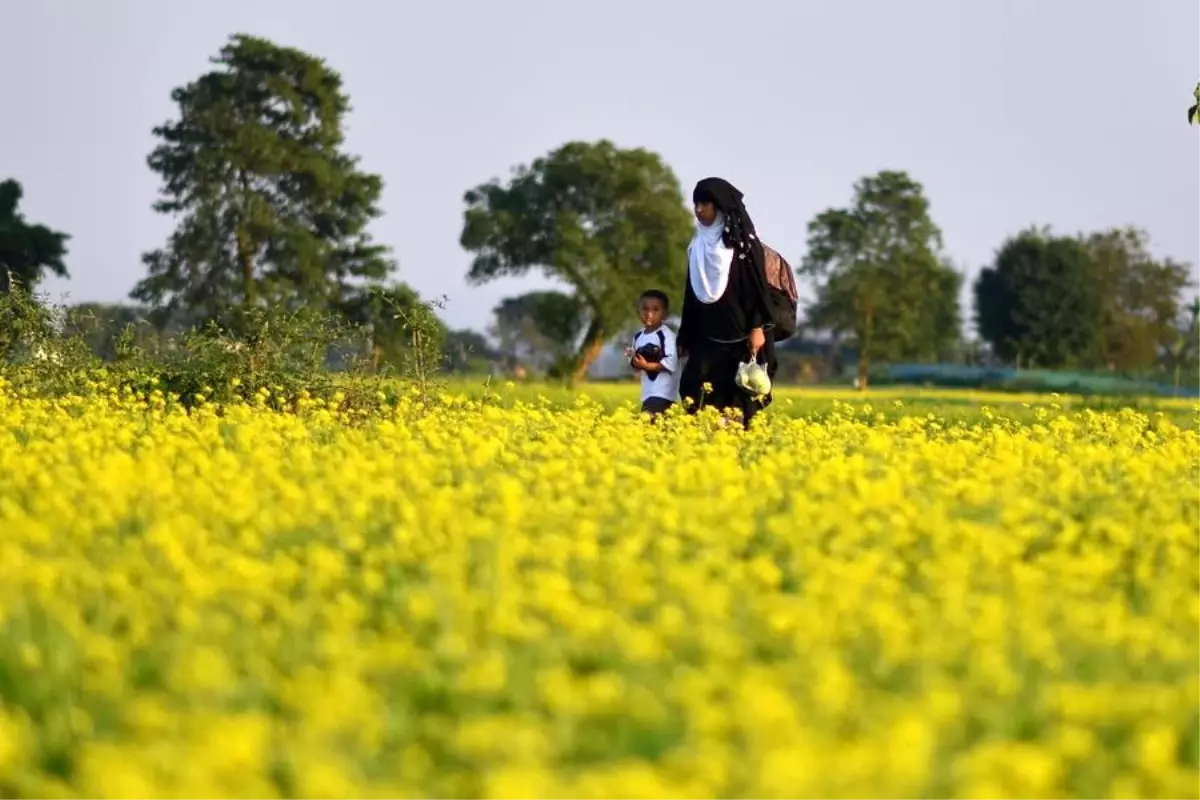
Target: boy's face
{"points": [[652, 312]]}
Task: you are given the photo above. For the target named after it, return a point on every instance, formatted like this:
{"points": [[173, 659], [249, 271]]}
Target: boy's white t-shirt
{"points": [[666, 383]]}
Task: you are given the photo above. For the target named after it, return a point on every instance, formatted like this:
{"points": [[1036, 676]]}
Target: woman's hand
{"points": [[757, 340]]}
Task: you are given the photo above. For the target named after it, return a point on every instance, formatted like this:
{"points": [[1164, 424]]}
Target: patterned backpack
{"points": [[783, 294]]}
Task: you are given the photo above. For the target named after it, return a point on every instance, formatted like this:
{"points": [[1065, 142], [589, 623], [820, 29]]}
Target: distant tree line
{"points": [[271, 211]]}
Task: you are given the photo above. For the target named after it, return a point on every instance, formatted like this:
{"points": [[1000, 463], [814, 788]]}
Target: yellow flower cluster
{"points": [[540, 602]]}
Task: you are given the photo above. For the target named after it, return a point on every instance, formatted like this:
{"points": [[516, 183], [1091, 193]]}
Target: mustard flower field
{"points": [[501, 598]]}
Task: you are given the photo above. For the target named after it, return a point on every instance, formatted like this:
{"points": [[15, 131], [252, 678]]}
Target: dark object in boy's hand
{"points": [[650, 352]]}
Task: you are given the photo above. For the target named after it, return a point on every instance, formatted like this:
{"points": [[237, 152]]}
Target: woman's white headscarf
{"points": [[709, 261]]}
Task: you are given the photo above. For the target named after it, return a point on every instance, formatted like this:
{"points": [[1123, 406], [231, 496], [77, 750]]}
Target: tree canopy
{"points": [[269, 206], [881, 278], [270, 210], [606, 222], [1099, 300], [27, 250], [539, 328], [1038, 304], [1140, 298]]}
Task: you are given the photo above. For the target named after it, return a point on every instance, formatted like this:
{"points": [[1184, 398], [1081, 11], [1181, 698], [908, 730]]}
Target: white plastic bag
{"points": [[752, 377]]}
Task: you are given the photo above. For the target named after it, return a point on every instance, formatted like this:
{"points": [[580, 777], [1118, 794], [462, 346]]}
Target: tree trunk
{"points": [[589, 351], [1176, 354], [245, 256], [864, 347]]}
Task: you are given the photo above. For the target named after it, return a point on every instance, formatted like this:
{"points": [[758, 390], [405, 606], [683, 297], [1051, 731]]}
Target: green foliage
{"points": [[380, 312], [351, 356], [424, 352], [1194, 110], [27, 251], [468, 351], [880, 276], [36, 354], [1038, 304], [1182, 353], [25, 324], [1140, 298], [1095, 301], [539, 329], [271, 210], [110, 330], [403, 334], [274, 352], [607, 222], [275, 356]]}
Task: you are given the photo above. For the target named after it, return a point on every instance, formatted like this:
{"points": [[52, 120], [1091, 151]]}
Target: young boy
{"points": [[654, 354]]}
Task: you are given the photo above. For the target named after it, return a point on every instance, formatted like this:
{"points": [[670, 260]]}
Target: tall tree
{"points": [[27, 250], [1140, 298], [270, 208], [881, 278], [1040, 302], [606, 221], [1088, 301], [539, 328]]}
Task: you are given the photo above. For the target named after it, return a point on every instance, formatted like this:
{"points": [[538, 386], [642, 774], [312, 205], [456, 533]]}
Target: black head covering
{"points": [[739, 235]]}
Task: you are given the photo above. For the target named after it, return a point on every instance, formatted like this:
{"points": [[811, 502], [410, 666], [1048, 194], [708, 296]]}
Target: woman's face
{"points": [[706, 213]]}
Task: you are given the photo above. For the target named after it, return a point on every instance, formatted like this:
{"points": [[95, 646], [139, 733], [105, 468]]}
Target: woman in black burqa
{"points": [[726, 317]]}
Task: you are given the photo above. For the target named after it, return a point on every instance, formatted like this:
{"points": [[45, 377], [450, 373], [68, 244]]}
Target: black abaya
{"points": [[716, 335], [716, 364]]}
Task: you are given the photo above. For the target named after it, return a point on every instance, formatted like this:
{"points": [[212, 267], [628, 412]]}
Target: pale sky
{"points": [[1061, 112]]}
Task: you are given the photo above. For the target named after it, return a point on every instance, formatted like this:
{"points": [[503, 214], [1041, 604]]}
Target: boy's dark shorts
{"points": [[656, 405]]}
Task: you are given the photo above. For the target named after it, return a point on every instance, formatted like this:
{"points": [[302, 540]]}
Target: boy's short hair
{"points": [[658, 295]]}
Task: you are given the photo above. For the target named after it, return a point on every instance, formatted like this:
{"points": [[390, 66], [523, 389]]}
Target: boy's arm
{"points": [[668, 363], [640, 364]]}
